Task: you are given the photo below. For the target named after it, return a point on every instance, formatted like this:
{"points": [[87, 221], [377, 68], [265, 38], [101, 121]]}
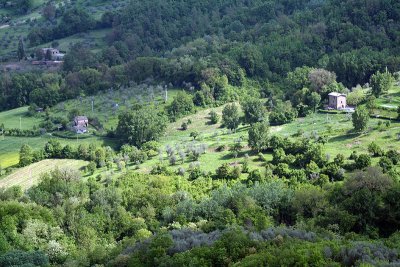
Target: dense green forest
{"points": [[189, 41], [278, 199]]}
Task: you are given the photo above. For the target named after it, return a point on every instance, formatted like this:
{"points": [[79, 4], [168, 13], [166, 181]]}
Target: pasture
{"points": [[19, 118], [10, 145], [30, 175], [337, 128]]}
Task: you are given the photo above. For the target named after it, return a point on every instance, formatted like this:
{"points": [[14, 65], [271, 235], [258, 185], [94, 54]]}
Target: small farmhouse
{"points": [[81, 121], [52, 54], [80, 124], [337, 100]]}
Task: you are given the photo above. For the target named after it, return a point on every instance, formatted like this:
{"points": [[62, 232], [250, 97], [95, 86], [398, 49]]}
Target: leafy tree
{"points": [[230, 116], [282, 113], [298, 79], [398, 113], [360, 119], [91, 167], [181, 105], [22, 258], [25, 155], [236, 147], [356, 96], [259, 136], [314, 99], [140, 126], [49, 11], [255, 176], [254, 110], [319, 78], [386, 164], [48, 55], [375, 150], [394, 156], [381, 82], [214, 117], [21, 50], [194, 134], [367, 187], [362, 161]]}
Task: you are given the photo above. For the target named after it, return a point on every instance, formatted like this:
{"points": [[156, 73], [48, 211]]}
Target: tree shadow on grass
{"points": [[345, 137], [230, 156]]}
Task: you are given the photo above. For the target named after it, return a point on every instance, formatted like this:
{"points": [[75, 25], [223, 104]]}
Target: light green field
{"points": [[337, 127], [391, 99], [9, 147], [19, 117], [211, 135], [341, 139], [30, 175]]}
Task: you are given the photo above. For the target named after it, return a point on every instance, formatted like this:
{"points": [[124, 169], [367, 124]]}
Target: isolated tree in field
{"points": [[21, 50], [254, 110], [214, 117], [360, 119], [230, 116], [140, 126], [25, 155], [181, 105], [380, 83], [259, 136]]}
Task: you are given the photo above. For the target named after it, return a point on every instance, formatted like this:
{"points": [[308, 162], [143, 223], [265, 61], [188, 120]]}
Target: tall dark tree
{"points": [[21, 49]]}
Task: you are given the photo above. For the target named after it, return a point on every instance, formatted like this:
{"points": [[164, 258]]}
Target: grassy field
{"points": [[103, 110], [212, 136], [391, 99], [336, 127], [107, 105], [9, 146], [30, 175], [19, 117]]}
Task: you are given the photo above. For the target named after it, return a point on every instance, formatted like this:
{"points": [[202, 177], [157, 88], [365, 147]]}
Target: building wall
{"points": [[341, 102], [337, 102]]}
